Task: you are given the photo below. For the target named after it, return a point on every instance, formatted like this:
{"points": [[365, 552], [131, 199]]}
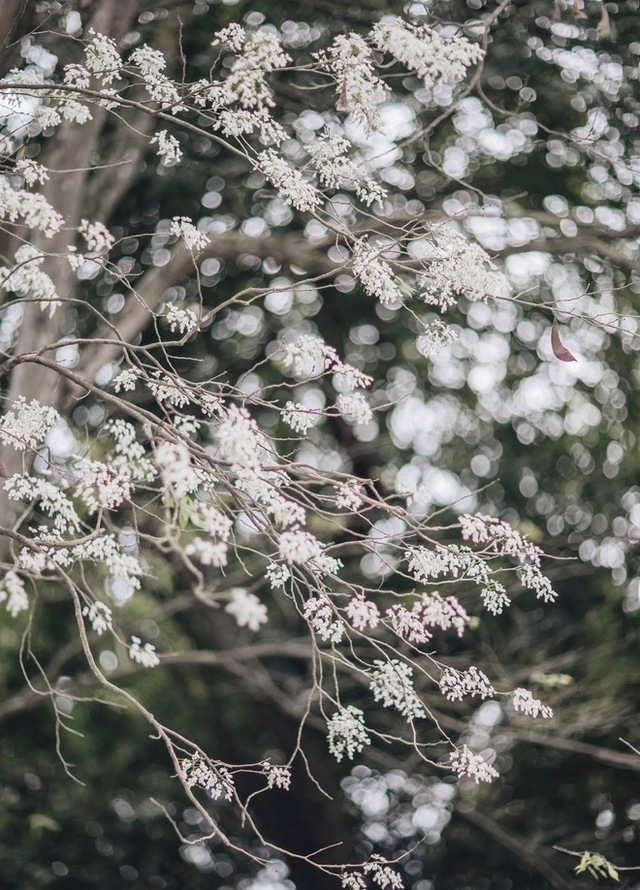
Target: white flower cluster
{"points": [[348, 377], [144, 654], [392, 684], [165, 390], [375, 275], [435, 337], [443, 612], [455, 685], [381, 873], [126, 380], [196, 771], [27, 278], [299, 418], [426, 564], [209, 553], [102, 58], [240, 122], [502, 538], [474, 766], [13, 594], [354, 407], [176, 469], [459, 267], [277, 575], [100, 485], [334, 169], [308, 356], [31, 171], [29, 208], [321, 616], [168, 148], [347, 733], [240, 441], [98, 237], [362, 613], [409, 625], [531, 577], [100, 616], [291, 185], [247, 609], [183, 227], [524, 702], [105, 551], [298, 547], [432, 57], [181, 320], [151, 64], [277, 776], [26, 425], [349, 495], [128, 457], [360, 91], [22, 487], [232, 36], [246, 83]]}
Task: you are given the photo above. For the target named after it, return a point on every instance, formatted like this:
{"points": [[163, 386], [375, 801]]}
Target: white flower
{"points": [[31, 208], [99, 615], [98, 237], [277, 575], [26, 425], [298, 547], [184, 228], [299, 418], [176, 470], [247, 609], [435, 337], [208, 552], [375, 275], [432, 57], [277, 776], [181, 320], [103, 58], [410, 625], [12, 591], [218, 783], [382, 873], [31, 171], [27, 278], [501, 537], [291, 185], [392, 684], [354, 407], [168, 148], [524, 701], [143, 654], [166, 390], [52, 501], [531, 577], [246, 83], [360, 91], [348, 495], [459, 267], [322, 619], [455, 685], [474, 766], [232, 36], [101, 485], [347, 733], [126, 380], [308, 356], [362, 613]]}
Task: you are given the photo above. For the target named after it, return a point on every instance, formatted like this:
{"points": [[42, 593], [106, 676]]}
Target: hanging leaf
{"points": [[604, 26], [559, 349]]}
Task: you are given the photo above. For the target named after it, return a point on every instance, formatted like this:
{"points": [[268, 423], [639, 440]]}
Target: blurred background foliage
{"points": [[553, 448]]}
